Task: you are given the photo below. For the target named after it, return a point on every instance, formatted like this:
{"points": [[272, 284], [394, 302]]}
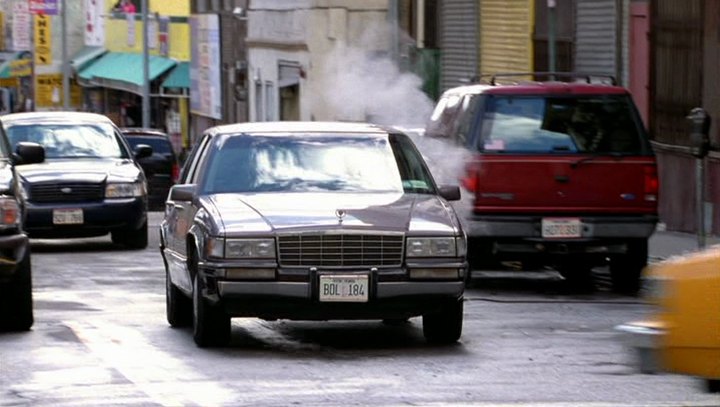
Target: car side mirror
{"points": [[450, 192], [28, 153], [182, 192], [142, 151]]}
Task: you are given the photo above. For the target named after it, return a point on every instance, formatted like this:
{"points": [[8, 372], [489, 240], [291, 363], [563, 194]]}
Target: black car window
{"points": [[415, 175], [159, 145], [578, 124], [300, 163], [70, 140]]}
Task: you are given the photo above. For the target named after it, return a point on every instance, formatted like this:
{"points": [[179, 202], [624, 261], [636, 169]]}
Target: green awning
{"points": [[85, 56], [179, 77], [122, 70]]}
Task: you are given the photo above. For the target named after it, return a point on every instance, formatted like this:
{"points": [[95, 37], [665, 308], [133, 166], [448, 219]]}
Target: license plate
{"points": [[344, 288], [67, 216], [555, 228]]}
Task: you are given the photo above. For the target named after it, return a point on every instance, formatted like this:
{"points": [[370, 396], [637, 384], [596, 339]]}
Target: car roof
{"points": [[55, 117], [302, 127], [141, 131], [538, 88]]}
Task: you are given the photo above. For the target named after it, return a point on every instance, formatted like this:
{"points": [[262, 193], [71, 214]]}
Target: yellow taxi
{"points": [[683, 333]]}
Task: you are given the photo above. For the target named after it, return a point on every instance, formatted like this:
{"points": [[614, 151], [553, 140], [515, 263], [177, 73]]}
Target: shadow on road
{"points": [[81, 245]]}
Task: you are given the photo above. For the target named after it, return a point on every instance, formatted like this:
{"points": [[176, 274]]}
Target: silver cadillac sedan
{"points": [[311, 221]]}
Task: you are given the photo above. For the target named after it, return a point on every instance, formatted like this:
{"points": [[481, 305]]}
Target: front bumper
{"points": [[12, 250], [294, 294], [99, 218], [642, 338]]}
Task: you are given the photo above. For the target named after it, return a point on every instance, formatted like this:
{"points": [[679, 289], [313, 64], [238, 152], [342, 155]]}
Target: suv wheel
{"points": [[713, 385], [178, 307], [626, 269], [132, 239], [211, 326], [444, 327], [16, 307]]}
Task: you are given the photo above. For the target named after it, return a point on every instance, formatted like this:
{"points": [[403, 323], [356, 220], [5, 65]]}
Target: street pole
{"points": [[700, 201], [65, 62], [551, 36], [146, 67]]}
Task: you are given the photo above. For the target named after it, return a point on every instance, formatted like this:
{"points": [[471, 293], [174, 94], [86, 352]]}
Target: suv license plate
{"points": [[344, 288], [558, 228], [67, 216]]}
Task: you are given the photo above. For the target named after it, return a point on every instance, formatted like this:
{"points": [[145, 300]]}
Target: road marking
{"points": [[167, 380]]}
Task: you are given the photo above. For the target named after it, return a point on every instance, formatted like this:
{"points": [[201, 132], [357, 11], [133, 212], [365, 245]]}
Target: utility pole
{"points": [[65, 62], [146, 66], [551, 5]]}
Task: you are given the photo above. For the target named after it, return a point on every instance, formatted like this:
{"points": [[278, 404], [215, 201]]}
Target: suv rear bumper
{"points": [[593, 227]]}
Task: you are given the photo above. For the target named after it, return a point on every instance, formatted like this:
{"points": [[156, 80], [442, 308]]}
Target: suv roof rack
{"points": [[588, 77]]}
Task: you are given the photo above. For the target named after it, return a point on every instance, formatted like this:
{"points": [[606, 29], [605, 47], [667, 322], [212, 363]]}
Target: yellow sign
{"points": [[2, 29], [21, 67], [49, 91], [43, 40]]}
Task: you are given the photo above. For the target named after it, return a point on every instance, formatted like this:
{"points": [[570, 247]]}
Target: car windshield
{"points": [[159, 145], [70, 140], [586, 124], [242, 163]]}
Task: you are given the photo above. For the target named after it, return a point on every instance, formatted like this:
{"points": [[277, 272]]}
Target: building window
{"points": [[259, 101], [269, 101]]}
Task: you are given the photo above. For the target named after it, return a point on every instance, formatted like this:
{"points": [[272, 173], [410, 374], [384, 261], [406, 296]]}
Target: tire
{"points": [[16, 304], [211, 326], [712, 385], [578, 275], [178, 307], [132, 239], [626, 269], [444, 327]]}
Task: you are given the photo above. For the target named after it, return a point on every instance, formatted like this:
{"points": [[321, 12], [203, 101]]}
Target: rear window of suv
{"points": [[158, 144], [563, 124]]}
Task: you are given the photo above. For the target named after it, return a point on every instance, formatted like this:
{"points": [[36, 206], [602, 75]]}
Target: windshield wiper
{"points": [[615, 155]]}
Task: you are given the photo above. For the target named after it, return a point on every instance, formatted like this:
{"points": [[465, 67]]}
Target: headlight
{"points": [[241, 248], [9, 212], [125, 190], [432, 247]]}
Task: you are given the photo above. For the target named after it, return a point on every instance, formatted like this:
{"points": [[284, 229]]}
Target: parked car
{"points": [[561, 174], [682, 335], [162, 168], [90, 183], [311, 221], [16, 304]]}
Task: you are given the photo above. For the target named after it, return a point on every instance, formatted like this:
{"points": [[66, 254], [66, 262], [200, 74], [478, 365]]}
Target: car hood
{"points": [[80, 170], [395, 212]]}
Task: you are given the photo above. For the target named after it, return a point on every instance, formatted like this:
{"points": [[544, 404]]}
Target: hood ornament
{"points": [[340, 213]]}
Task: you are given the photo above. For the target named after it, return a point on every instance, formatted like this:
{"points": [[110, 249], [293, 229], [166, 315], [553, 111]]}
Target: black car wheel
{"points": [[577, 274], [178, 307], [445, 326], [211, 325], [626, 269], [132, 239], [712, 385], [16, 305]]}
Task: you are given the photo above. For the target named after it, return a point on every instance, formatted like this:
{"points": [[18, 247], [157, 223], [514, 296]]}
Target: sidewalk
{"points": [[664, 244]]}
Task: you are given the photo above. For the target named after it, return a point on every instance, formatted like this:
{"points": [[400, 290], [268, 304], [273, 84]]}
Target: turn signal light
{"points": [[651, 183]]}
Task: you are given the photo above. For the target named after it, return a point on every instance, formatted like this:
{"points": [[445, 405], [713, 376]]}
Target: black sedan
{"points": [[311, 221], [90, 183], [161, 168]]}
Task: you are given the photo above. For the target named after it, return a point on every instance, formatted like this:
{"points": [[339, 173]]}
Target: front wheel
{"points": [[16, 304], [211, 325], [626, 269], [445, 326], [132, 239]]}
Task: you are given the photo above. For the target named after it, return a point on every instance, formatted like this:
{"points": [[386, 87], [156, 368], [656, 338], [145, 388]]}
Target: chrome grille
{"points": [[66, 192], [340, 250]]}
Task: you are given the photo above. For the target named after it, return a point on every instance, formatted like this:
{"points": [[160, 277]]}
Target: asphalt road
{"points": [[100, 338]]}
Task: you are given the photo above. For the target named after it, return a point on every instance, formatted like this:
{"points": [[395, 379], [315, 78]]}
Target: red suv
{"points": [[561, 174]]}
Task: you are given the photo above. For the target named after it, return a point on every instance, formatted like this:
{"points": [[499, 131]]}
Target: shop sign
{"points": [[43, 40], [47, 7]]}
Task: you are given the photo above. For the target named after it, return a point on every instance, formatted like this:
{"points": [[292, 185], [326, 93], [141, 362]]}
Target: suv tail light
{"points": [[470, 179], [651, 183], [175, 172]]}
